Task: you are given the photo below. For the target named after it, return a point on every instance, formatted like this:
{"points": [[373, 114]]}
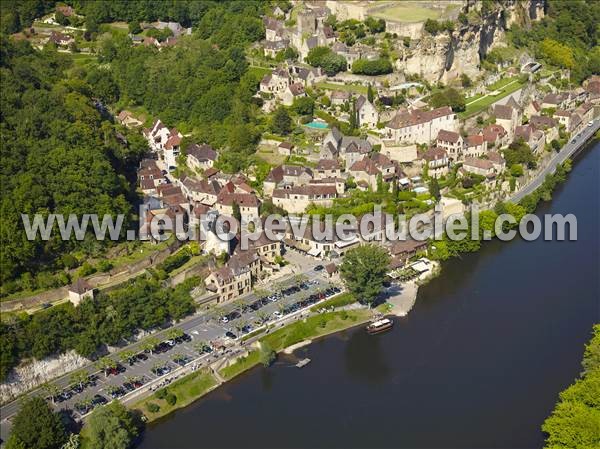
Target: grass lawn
{"points": [[270, 156], [82, 58], [259, 71], [187, 390], [501, 83], [406, 13], [193, 261], [315, 326], [341, 300], [242, 364], [358, 89], [484, 102]]}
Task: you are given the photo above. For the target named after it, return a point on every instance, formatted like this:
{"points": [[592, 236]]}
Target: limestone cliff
{"points": [[446, 55]]}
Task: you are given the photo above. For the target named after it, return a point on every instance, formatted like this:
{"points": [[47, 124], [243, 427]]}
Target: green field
{"points": [[187, 390], [480, 103], [357, 89], [259, 71], [406, 13]]}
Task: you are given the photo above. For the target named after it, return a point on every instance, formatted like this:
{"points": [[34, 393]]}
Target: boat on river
{"points": [[379, 326]]}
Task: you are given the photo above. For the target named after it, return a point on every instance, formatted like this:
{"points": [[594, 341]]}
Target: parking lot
{"points": [[200, 341]]}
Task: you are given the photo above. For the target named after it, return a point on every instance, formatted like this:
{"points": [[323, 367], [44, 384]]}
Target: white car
{"points": [[591, 123], [277, 314]]}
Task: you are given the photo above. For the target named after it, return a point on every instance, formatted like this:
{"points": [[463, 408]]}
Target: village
{"points": [[226, 136], [425, 155]]}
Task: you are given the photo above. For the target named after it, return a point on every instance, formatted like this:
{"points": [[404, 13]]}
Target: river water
{"points": [[478, 362]]}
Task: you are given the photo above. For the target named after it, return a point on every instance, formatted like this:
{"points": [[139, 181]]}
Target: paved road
{"points": [[205, 327], [566, 152]]}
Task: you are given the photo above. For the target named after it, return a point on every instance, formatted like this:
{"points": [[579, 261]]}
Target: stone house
{"points": [[247, 202], [418, 126], [452, 142], [367, 112], [295, 90], [200, 157], [535, 139], [437, 162], [475, 145], [495, 136], [328, 168], [547, 125], [508, 118], [482, 167], [235, 278], [127, 119], [296, 199], [80, 290]]}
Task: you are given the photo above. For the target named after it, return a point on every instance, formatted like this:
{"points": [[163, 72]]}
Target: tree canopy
{"points": [[36, 426], [373, 67], [59, 155], [448, 97], [140, 304], [325, 58], [111, 426], [575, 421], [566, 37], [363, 269]]}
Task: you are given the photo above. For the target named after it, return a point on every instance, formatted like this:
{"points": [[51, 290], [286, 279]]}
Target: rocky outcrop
{"points": [[446, 55], [33, 374]]}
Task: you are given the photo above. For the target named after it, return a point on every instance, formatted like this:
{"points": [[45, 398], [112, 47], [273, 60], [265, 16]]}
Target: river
{"points": [[478, 362]]}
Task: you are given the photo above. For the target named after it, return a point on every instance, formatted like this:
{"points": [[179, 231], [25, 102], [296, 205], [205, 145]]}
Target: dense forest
{"points": [[58, 155], [567, 37], [575, 422], [142, 303]]}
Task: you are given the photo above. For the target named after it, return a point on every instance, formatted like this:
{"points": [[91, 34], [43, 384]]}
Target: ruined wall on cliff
{"points": [[445, 56]]}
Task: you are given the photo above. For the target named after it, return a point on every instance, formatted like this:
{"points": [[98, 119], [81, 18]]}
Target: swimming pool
{"points": [[317, 125]]}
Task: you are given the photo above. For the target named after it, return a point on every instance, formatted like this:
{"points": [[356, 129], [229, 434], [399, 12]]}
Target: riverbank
{"points": [[322, 324], [197, 384], [491, 328]]}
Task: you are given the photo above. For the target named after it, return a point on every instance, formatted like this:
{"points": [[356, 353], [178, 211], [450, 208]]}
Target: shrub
{"points": [[152, 407], [171, 399], [161, 394], [373, 67]]}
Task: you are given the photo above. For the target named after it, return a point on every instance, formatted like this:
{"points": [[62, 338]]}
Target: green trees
{"points": [[567, 37], [370, 94], [448, 97], [281, 122], [375, 25], [36, 426], [111, 426], [141, 304], [434, 189], [363, 270], [373, 67], [574, 423], [557, 54], [434, 27], [325, 58], [304, 106], [518, 152], [267, 354], [58, 156]]}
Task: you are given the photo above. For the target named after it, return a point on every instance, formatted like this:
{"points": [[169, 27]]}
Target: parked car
{"points": [[319, 267], [99, 400]]}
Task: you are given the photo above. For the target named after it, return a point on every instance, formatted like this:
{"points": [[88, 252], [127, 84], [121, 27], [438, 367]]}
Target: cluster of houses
{"points": [[287, 83], [176, 29], [309, 31]]}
